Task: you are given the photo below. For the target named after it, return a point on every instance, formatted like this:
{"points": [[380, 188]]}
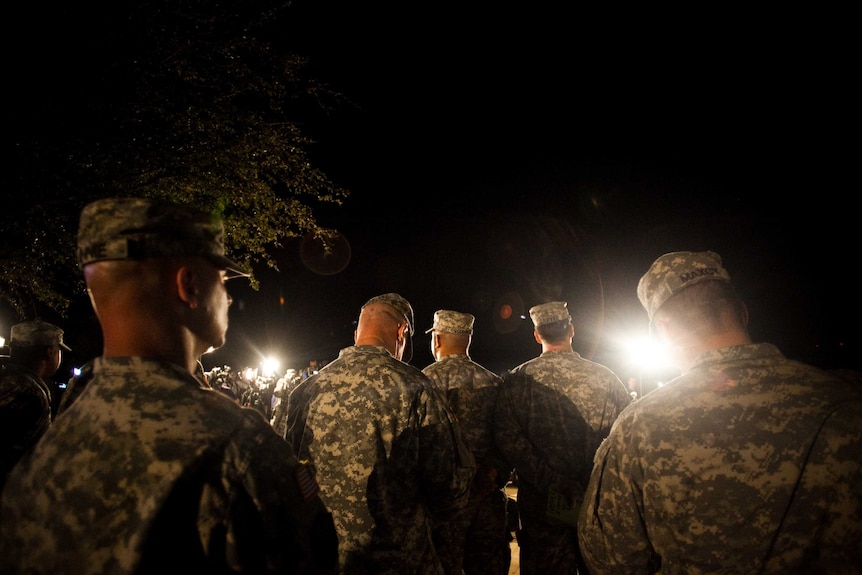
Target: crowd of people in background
{"points": [[261, 391], [748, 462]]}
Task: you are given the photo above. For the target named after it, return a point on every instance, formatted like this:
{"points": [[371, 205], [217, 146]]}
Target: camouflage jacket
{"points": [[471, 390], [552, 413], [747, 463], [150, 472], [25, 413], [389, 455]]}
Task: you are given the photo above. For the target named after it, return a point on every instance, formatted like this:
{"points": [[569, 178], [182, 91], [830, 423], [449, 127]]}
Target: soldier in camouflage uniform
{"points": [[552, 413], [149, 470], [746, 463], [25, 397], [283, 387], [389, 454], [471, 390]]}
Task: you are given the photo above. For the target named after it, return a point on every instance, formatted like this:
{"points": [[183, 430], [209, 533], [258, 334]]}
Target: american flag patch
{"points": [[306, 481]]}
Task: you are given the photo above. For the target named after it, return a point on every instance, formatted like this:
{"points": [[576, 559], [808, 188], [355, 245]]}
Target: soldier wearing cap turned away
{"points": [[150, 470], [36, 349], [389, 454], [747, 462], [552, 413], [471, 390]]}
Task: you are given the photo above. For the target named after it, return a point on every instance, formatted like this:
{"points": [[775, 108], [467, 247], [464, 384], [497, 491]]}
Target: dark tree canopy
{"points": [[187, 100]]}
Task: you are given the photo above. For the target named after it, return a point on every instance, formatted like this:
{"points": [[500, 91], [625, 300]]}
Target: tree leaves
{"points": [[188, 101]]}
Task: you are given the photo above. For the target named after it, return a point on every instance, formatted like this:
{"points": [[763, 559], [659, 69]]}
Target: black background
{"points": [[527, 155], [521, 154]]}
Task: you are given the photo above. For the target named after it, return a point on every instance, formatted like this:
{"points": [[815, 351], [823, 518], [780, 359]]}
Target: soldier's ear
{"points": [[185, 284]]}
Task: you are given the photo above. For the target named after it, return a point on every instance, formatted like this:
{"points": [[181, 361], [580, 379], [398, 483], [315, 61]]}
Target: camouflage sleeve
{"points": [[511, 435], [448, 465], [297, 434], [611, 527], [835, 458], [494, 458], [26, 417], [298, 531]]}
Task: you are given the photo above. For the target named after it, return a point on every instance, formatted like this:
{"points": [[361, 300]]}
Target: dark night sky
{"points": [[526, 157], [522, 154]]}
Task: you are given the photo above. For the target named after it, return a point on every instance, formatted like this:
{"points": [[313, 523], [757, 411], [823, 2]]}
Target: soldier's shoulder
{"points": [[525, 366], [486, 373], [18, 383], [408, 372]]}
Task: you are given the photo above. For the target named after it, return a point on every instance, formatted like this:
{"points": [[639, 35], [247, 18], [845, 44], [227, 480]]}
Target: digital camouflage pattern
{"points": [[136, 228], [550, 312], [675, 271], [25, 414], [150, 472], [37, 333], [449, 321], [389, 456], [552, 413], [471, 390], [747, 463]]}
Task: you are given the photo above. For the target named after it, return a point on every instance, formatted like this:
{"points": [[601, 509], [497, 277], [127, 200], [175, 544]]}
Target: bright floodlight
{"points": [[270, 366], [647, 354]]}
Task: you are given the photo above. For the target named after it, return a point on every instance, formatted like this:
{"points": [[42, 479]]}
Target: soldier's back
{"points": [[150, 471]]}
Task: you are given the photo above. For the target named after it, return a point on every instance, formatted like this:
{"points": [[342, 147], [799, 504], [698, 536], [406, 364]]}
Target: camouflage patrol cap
{"points": [[674, 271], [452, 322], [137, 228], [549, 312], [36, 333], [405, 310]]}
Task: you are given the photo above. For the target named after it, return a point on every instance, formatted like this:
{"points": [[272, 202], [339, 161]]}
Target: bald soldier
{"points": [[552, 413], [747, 462], [150, 470], [471, 390], [388, 452]]}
